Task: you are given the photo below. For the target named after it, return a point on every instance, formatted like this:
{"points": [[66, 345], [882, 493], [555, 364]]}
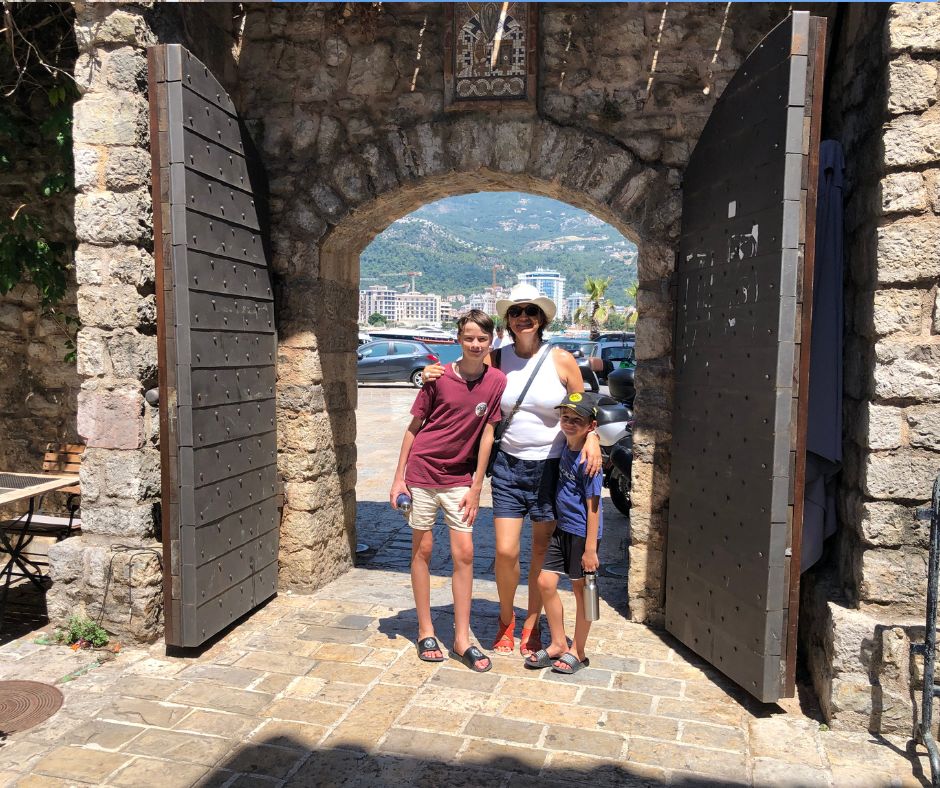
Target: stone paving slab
{"points": [[326, 690]]}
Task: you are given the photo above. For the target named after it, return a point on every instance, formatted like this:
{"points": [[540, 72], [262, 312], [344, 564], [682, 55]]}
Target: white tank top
{"points": [[533, 433]]}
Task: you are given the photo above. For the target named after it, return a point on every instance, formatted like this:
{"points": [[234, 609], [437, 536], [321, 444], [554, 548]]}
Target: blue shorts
{"points": [[524, 487]]}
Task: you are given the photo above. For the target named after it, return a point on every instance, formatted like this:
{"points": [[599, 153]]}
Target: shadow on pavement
{"points": [[426, 759]]}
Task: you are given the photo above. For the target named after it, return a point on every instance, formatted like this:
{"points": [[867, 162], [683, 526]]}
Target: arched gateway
{"points": [[352, 132], [223, 442]]}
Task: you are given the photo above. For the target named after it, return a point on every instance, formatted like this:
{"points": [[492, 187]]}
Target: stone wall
{"points": [[120, 474], [38, 387], [114, 570], [861, 606], [349, 113], [347, 110]]}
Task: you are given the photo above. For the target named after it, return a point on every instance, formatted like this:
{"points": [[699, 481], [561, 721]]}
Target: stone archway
{"points": [[318, 289]]}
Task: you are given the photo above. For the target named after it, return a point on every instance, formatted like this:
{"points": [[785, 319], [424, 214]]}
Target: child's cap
{"points": [[580, 404]]}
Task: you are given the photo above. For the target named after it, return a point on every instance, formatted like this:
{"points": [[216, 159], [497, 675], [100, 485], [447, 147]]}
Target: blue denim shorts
{"points": [[524, 487]]}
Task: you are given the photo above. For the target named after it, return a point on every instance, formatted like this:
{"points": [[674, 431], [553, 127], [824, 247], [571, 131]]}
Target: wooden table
{"points": [[20, 487]]}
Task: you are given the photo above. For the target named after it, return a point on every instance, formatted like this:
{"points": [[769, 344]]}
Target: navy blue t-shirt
{"points": [[574, 488]]}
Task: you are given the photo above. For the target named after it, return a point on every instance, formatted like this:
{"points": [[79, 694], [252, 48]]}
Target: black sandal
{"points": [[429, 644], [470, 658]]}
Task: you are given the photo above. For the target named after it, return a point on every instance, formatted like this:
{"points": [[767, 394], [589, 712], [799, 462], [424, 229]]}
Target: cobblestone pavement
{"points": [[326, 690]]}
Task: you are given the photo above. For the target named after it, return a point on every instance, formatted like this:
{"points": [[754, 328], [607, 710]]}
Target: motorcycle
{"points": [[615, 429]]}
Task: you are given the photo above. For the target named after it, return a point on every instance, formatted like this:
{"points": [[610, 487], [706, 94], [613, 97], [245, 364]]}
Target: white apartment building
{"points": [[378, 298], [573, 303], [485, 301], [409, 308], [418, 308], [549, 283]]}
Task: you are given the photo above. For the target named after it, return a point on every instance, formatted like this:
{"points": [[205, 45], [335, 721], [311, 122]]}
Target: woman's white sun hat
{"points": [[526, 294]]}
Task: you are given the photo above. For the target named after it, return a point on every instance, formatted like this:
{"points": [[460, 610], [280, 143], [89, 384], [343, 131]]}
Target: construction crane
{"points": [[412, 274]]}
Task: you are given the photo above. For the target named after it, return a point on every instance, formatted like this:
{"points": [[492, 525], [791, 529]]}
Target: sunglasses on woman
{"points": [[530, 310]]}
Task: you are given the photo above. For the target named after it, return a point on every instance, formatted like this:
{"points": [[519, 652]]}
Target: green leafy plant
{"points": [[68, 326], [600, 305], [82, 632], [36, 53]]}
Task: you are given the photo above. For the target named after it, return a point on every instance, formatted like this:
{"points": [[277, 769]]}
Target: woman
{"points": [[525, 471]]}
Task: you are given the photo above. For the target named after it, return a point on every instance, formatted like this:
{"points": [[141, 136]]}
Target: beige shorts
{"points": [[425, 501]]}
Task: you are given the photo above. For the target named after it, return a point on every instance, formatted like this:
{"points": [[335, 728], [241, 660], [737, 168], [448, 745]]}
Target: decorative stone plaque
{"points": [[490, 54]]}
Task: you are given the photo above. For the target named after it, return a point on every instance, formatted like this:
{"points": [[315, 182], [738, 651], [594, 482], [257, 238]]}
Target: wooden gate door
{"points": [[743, 300], [217, 349]]}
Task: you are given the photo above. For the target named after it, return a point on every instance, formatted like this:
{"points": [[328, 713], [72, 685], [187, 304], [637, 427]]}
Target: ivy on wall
{"points": [[37, 52]]}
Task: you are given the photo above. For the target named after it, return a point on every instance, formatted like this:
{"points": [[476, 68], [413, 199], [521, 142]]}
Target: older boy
{"points": [[572, 549], [441, 465]]}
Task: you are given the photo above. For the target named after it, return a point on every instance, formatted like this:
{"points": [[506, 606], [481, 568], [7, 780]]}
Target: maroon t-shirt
{"points": [[454, 411]]}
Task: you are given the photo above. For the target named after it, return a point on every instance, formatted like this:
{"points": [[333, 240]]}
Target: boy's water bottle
{"points": [[403, 502], [592, 610]]}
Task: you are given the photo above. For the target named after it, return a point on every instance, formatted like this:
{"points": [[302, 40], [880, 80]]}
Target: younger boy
{"points": [[572, 549], [441, 466]]}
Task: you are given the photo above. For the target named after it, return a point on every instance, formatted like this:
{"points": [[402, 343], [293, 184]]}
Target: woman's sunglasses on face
{"points": [[530, 310]]}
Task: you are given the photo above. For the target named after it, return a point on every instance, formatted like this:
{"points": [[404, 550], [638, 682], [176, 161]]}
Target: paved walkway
{"points": [[326, 690]]}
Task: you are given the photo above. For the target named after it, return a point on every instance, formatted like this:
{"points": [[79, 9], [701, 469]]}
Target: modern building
{"points": [[414, 308], [549, 283], [378, 298], [485, 301], [572, 304], [418, 308]]}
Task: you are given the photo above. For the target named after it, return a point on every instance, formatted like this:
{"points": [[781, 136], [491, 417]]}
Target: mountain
{"points": [[456, 241]]}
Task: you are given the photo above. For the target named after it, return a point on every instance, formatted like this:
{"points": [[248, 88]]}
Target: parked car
{"points": [[578, 348], [610, 354], [581, 350], [614, 336], [393, 361]]}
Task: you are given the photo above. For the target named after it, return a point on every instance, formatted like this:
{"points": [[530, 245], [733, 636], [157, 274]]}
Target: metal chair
{"points": [[18, 533]]}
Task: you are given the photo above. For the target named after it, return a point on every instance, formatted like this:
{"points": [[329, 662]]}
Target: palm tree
{"points": [[595, 287], [632, 292]]}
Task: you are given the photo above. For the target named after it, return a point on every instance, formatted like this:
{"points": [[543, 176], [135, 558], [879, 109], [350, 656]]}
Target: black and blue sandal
{"points": [[470, 658], [538, 660], [429, 644], [572, 662]]}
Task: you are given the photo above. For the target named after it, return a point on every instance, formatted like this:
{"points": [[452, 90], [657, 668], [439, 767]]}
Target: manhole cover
{"points": [[24, 704]]}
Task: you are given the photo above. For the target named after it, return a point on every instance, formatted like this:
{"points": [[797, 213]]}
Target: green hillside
{"points": [[455, 241]]}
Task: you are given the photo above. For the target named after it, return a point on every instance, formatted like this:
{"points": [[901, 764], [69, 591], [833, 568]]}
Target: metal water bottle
{"points": [[403, 501], [592, 610]]}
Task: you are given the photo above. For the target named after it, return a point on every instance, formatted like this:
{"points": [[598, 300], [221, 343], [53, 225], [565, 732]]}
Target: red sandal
{"points": [[530, 640], [504, 643]]}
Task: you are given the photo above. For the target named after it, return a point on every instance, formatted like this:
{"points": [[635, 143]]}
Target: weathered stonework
{"points": [[353, 135], [117, 343], [863, 606], [38, 387]]}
